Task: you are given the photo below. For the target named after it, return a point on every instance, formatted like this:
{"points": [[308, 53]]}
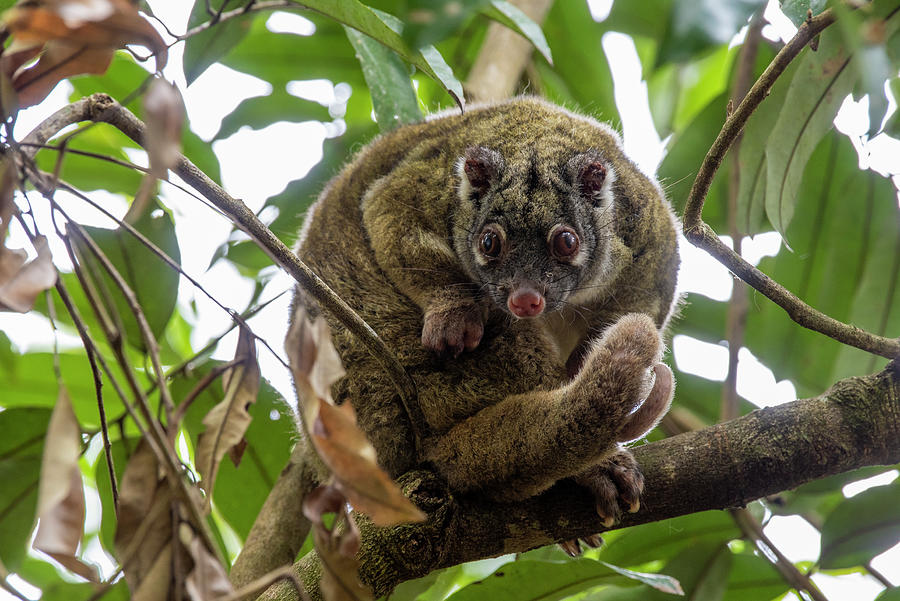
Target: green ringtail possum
{"points": [[521, 268]]}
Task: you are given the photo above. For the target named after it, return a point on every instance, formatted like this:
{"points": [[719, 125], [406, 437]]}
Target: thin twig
{"points": [[788, 571], [702, 236], [199, 388], [98, 384], [221, 17]]}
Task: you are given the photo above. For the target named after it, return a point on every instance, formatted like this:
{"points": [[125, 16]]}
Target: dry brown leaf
{"points": [[351, 458], [144, 526], [337, 439], [157, 582], [60, 506], [21, 282], [340, 573], [227, 422], [73, 36], [207, 580], [164, 111]]}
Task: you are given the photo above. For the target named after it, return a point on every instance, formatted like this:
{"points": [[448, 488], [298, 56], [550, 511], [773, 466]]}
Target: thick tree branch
{"points": [[854, 424], [701, 235]]}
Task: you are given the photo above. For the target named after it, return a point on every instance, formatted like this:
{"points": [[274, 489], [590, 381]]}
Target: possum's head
{"points": [[532, 228]]}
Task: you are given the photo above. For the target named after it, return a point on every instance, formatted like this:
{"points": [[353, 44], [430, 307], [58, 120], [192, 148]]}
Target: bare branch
{"points": [[702, 236]]}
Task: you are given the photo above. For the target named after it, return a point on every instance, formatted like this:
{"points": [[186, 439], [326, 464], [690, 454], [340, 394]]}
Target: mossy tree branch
{"points": [[854, 424]]}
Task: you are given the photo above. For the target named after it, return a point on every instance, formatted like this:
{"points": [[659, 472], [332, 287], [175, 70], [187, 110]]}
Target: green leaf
{"points": [[861, 527], [822, 81], [30, 383], [94, 173], [753, 578], [581, 74], [430, 21], [200, 154], [121, 450], [393, 96], [531, 580], [891, 594], [639, 544], [751, 157], [206, 47], [383, 28], [512, 16], [797, 10], [122, 80], [855, 281], [21, 447], [679, 167], [240, 491], [660, 582], [154, 283], [892, 127], [696, 26], [261, 111]]}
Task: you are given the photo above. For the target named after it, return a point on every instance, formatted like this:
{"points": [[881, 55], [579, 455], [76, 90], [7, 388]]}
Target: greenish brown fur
{"points": [[503, 418]]}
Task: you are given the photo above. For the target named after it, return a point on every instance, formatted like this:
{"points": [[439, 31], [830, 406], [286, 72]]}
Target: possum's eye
{"points": [[564, 242], [490, 243]]}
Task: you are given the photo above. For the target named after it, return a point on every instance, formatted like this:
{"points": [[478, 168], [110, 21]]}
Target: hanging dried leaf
{"points": [[337, 550], [144, 529], [60, 507], [208, 579], [338, 440], [227, 422], [71, 37], [21, 281], [164, 110]]}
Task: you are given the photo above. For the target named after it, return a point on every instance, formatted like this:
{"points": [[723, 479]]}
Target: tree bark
{"points": [[856, 423]]}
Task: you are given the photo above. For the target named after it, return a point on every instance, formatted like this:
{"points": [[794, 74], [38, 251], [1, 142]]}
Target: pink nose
{"points": [[525, 302]]}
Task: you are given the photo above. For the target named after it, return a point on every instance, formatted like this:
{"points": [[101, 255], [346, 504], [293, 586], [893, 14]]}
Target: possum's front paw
{"points": [[616, 485], [452, 330]]}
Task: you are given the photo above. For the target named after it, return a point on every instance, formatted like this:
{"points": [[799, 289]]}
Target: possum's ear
{"points": [[479, 168], [593, 177]]}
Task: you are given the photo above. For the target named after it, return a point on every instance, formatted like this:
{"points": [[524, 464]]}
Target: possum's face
{"points": [[532, 229]]}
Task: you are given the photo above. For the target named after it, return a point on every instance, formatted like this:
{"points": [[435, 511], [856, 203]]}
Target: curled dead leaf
{"points": [[227, 422], [332, 429], [70, 37], [144, 525], [164, 110], [340, 569], [207, 580], [60, 507], [21, 280]]}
